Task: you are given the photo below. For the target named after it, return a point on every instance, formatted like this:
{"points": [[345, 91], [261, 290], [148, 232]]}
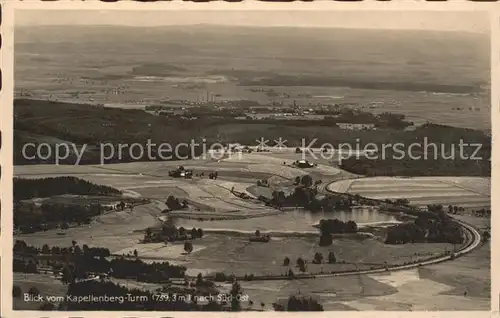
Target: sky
{"points": [[406, 20]]}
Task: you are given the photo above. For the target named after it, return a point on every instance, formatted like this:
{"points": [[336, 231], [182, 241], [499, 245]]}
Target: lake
{"points": [[298, 220]]}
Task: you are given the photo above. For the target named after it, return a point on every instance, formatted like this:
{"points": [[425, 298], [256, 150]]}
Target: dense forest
{"points": [[30, 217], [41, 188], [77, 263], [439, 228], [89, 126], [78, 266], [438, 153]]}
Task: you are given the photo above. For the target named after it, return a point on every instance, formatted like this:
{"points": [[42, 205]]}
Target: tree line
{"points": [[304, 195], [75, 263], [170, 233], [299, 303], [302, 263], [25, 189], [437, 228], [93, 126], [30, 217], [393, 163], [78, 264], [327, 227]]}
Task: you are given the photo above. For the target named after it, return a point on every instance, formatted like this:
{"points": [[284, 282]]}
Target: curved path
{"points": [[473, 240], [472, 236]]}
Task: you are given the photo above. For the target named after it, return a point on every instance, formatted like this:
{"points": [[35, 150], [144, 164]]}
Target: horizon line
{"points": [[484, 32]]}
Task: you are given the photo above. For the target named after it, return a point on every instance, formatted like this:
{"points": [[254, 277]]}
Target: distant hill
{"points": [[455, 58]]}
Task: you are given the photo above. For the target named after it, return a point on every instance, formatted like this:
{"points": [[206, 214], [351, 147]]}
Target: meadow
{"points": [[468, 192]]}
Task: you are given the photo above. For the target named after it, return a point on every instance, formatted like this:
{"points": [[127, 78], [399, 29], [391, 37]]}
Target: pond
{"points": [[290, 221]]}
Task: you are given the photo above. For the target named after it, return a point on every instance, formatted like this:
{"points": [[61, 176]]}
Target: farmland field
{"points": [[468, 192], [225, 246]]}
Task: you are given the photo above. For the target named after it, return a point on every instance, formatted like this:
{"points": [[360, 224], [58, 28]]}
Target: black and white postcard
{"points": [[181, 158]]}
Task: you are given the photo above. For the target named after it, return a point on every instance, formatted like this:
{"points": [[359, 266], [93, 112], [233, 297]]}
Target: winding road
{"points": [[472, 237]]}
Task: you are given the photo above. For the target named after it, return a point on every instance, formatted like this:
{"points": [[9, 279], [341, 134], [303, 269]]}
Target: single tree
{"points": [[45, 249], [77, 250], [199, 279], [194, 233], [486, 236], [68, 275], [188, 247], [318, 258], [286, 261], [306, 181], [331, 258], [302, 267], [235, 296], [297, 180]]}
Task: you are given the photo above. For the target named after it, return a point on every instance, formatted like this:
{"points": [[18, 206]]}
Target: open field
{"points": [[406, 290], [243, 257], [151, 180], [461, 284], [236, 255], [114, 230], [469, 192], [213, 196], [47, 285], [233, 253]]}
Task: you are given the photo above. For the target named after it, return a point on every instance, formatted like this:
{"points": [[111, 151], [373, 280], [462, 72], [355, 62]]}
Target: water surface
{"points": [[297, 220]]}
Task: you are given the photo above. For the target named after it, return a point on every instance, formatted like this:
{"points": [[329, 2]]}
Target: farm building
{"points": [[304, 164]]}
